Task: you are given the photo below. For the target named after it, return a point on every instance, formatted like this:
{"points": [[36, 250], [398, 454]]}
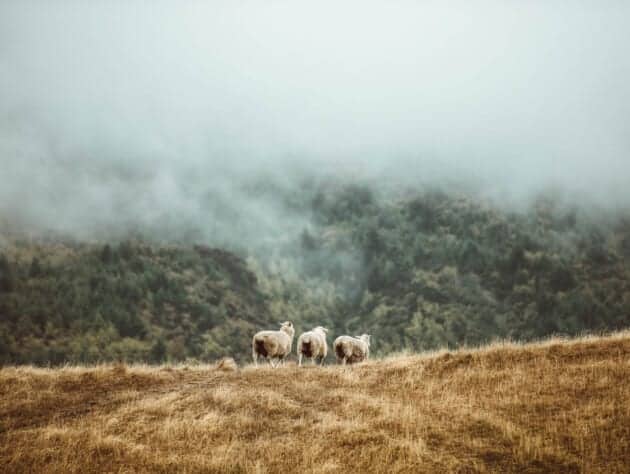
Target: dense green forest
{"points": [[417, 269]]}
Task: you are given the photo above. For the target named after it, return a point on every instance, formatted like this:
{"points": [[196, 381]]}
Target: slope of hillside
{"points": [[423, 270], [555, 406], [86, 303]]}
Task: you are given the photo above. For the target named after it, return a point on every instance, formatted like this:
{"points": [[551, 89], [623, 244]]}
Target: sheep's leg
{"points": [[255, 357], [344, 361], [300, 359]]}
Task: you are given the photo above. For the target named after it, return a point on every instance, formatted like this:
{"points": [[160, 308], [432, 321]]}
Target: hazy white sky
{"points": [[100, 100]]}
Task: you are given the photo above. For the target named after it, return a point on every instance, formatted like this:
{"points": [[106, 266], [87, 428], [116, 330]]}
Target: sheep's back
{"points": [[317, 344], [352, 349], [275, 342]]}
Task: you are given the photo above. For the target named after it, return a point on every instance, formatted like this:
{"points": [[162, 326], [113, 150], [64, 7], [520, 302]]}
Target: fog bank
{"points": [[122, 115]]}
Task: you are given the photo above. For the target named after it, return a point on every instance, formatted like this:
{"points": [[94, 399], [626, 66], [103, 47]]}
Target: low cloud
{"points": [[123, 115]]}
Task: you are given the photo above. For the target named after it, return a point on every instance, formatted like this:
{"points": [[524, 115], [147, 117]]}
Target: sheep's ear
{"points": [[325, 330]]}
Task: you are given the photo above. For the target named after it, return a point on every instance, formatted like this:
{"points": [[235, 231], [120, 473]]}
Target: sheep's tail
{"points": [[259, 348], [307, 348]]}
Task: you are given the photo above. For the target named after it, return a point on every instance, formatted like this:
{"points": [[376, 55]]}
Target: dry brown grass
{"points": [[557, 406]]}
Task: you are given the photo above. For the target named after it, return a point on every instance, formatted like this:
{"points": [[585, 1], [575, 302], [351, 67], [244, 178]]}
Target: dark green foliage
{"points": [[144, 305], [419, 272], [158, 351], [7, 281], [439, 269], [36, 268], [107, 256]]}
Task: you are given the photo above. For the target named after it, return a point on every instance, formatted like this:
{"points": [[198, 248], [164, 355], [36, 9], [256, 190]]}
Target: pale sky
{"points": [[148, 105]]}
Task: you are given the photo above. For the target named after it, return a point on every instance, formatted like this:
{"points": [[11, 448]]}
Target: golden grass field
{"points": [[554, 406]]}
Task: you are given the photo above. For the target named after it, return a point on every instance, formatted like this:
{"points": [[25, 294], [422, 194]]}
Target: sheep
{"points": [[273, 344], [352, 349], [313, 344]]}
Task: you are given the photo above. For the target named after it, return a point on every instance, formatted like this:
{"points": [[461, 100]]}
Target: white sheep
{"points": [[273, 344], [313, 344], [352, 349]]}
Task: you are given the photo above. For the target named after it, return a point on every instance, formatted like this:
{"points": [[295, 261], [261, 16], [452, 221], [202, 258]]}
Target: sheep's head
{"points": [[288, 328], [365, 338], [321, 329]]}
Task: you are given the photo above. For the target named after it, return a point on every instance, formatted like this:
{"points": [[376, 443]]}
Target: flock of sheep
{"points": [[276, 345]]}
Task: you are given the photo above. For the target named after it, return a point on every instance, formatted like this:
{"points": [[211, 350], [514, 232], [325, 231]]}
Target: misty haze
{"points": [[221, 189], [113, 114]]}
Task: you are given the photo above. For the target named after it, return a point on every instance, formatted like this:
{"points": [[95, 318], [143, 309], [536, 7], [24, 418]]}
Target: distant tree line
{"points": [[427, 270]]}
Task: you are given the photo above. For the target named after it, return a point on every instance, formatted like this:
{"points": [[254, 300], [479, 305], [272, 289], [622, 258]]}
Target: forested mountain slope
{"points": [[418, 269], [131, 301]]}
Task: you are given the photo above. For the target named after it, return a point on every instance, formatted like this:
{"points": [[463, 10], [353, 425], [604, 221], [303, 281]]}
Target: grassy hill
{"points": [[555, 406]]}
